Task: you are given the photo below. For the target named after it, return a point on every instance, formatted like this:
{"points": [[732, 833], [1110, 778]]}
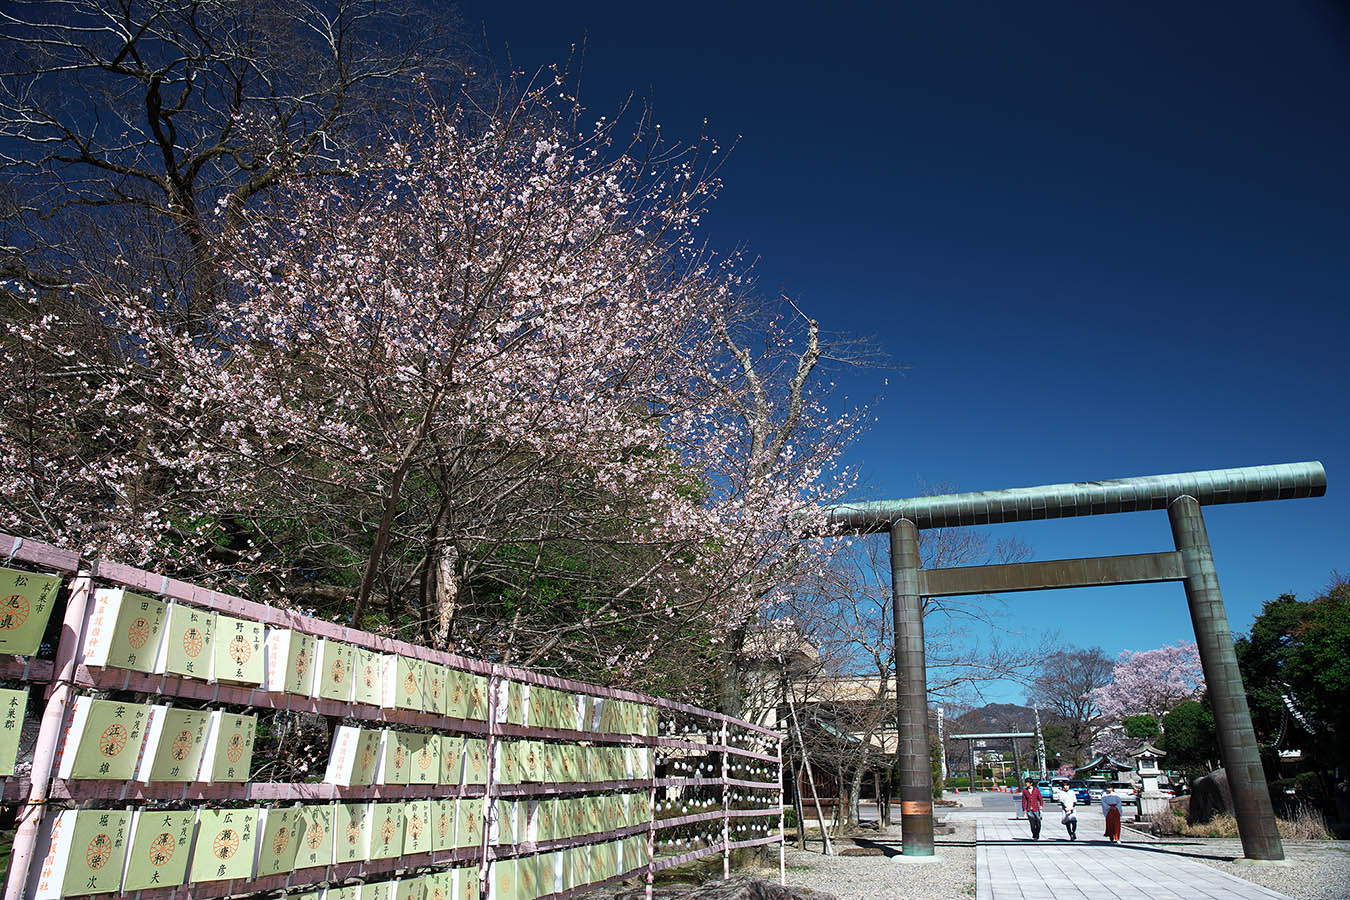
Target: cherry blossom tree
{"points": [[493, 367], [1113, 742], [1151, 682]]}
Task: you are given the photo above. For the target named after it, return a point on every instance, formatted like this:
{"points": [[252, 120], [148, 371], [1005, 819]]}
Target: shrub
{"points": [[1168, 822], [1305, 824], [1221, 826]]}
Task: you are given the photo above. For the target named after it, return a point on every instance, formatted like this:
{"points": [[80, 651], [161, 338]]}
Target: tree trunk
{"points": [[730, 697], [840, 817], [444, 591], [391, 501], [855, 793], [203, 295]]}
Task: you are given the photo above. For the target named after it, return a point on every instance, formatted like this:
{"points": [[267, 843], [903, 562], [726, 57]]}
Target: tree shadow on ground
{"points": [[892, 848]]}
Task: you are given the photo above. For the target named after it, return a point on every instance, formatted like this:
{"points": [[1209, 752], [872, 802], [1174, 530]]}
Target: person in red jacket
{"points": [[1032, 804]]}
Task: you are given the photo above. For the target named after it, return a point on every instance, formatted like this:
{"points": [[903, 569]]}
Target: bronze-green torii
{"points": [[1192, 563]]}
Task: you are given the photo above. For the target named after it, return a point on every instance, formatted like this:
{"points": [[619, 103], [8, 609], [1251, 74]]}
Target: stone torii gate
{"points": [[1192, 564], [995, 735]]}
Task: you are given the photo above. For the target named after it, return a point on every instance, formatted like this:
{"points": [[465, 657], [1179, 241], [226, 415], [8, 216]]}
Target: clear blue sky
{"points": [[1106, 241]]}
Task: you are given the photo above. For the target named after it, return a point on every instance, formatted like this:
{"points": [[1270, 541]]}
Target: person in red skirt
{"points": [[1111, 804]]}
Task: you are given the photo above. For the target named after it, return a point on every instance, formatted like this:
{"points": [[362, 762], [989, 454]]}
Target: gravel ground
{"points": [[1321, 869], [885, 878]]}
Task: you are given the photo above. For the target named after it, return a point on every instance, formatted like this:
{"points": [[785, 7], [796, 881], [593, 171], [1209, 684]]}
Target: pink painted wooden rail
{"points": [[35, 555], [38, 554], [37, 791]]}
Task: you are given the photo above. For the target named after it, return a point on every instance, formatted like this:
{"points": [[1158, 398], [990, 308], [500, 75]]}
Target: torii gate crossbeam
{"points": [[1192, 563]]}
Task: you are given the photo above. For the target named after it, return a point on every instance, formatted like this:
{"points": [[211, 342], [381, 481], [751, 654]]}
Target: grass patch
{"points": [[1307, 824]]}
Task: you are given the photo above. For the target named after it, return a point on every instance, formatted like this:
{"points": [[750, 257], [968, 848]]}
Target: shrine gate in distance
{"points": [[1192, 563]]}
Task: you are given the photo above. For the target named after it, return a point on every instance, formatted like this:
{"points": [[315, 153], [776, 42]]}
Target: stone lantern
{"points": [[1146, 767]]}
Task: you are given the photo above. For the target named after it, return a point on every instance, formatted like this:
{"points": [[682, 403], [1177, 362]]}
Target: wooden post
{"points": [[810, 779], [651, 822], [726, 806], [490, 784], [49, 736], [782, 833], [799, 808]]}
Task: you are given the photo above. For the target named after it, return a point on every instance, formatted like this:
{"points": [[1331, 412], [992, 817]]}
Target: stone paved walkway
{"points": [[1011, 866]]}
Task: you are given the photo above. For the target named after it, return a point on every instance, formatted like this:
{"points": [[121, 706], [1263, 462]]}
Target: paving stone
{"points": [[1009, 865]]}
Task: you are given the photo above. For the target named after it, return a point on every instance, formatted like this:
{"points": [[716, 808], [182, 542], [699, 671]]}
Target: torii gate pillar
{"points": [[1223, 681], [911, 693]]}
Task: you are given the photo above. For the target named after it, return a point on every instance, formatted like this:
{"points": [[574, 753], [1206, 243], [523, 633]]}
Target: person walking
{"points": [[1032, 804], [1067, 798], [1111, 806]]}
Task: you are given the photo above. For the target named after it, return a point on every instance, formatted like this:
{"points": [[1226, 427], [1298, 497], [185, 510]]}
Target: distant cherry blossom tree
{"points": [[1151, 682]]}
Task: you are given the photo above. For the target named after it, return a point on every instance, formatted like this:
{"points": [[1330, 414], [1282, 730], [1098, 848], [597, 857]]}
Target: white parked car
{"points": [[1126, 791]]}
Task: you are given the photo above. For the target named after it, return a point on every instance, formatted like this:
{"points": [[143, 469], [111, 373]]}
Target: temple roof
{"points": [[1103, 762]]}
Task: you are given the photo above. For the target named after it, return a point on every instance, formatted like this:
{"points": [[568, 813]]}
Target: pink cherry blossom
{"points": [[500, 332], [1152, 682]]}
